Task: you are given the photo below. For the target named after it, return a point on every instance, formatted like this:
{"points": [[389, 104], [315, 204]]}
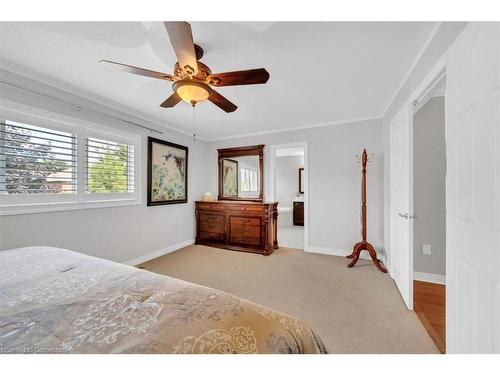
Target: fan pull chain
{"points": [[194, 124]]}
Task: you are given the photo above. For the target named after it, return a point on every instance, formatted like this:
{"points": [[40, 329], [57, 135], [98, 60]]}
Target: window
{"points": [[35, 160], [110, 167], [248, 180], [47, 165]]}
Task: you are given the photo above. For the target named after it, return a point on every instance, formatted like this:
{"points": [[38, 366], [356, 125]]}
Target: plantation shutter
{"points": [[248, 180], [109, 166], [36, 160]]}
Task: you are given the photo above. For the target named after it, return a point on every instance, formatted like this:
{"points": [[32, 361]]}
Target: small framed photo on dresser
{"points": [[167, 172]]}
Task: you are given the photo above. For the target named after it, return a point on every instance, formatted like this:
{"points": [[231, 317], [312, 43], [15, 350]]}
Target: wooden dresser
{"points": [[241, 226]]}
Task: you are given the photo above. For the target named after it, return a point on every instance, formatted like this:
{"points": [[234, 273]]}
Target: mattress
{"points": [[58, 301]]}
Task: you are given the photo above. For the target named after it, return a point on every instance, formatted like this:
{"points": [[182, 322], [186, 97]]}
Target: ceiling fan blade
{"points": [[136, 70], [171, 101], [222, 102], [182, 40], [241, 77]]}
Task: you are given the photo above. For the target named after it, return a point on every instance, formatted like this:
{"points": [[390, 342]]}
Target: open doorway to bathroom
{"points": [[289, 191]]}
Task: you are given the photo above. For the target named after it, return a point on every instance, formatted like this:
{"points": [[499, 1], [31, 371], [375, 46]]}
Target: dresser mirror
{"points": [[241, 172]]}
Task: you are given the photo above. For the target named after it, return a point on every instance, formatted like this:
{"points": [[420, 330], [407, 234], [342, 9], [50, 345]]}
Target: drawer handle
{"points": [[211, 225], [245, 221], [244, 230]]}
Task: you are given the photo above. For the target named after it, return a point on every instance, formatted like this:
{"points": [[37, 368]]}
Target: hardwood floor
{"points": [[429, 305]]}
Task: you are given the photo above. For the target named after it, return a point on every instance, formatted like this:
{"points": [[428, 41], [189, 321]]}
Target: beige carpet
{"points": [[355, 310]]}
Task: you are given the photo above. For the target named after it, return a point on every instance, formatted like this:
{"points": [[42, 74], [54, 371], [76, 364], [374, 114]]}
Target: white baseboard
{"points": [[292, 245], [429, 277], [159, 253], [340, 252]]}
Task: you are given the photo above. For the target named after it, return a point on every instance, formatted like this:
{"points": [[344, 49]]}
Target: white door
{"points": [[401, 263], [473, 191]]}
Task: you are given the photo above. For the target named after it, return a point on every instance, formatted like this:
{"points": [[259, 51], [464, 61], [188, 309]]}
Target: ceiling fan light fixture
{"points": [[192, 79], [191, 91]]}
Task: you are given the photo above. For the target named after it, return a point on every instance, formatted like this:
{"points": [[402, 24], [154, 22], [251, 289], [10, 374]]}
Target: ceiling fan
{"points": [[192, 80]]}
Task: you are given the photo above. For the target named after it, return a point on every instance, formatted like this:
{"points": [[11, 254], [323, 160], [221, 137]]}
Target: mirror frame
{"points": [[228, 153]]}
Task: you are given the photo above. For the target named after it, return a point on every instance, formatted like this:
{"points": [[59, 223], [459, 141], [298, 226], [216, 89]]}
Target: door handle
{"points": [[403, 215]]}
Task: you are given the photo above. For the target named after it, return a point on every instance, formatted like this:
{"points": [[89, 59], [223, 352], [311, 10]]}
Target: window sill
{"points": [[66, 206]]}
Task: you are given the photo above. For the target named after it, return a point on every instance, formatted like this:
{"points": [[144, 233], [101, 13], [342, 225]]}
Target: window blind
{"points": [[110, 166], [248, 180], [35, 160]]}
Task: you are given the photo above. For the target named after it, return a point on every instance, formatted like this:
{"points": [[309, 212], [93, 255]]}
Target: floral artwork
{"points": [[230, 176], [167, 172]]}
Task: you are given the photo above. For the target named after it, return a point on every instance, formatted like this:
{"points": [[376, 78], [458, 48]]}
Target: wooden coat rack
{"points": [[364, 244]]}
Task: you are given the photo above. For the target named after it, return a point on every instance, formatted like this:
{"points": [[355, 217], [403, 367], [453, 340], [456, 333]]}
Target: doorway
{"points": [[418, 203], [429, 211], [472, 194], [289, 184]]}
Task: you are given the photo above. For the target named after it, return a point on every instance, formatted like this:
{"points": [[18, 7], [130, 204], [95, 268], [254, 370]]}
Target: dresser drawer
{"points": [[211, 222], [210, 206], [247, 208], [242, 220], [244, 240], [210, 236], [244, 230]]}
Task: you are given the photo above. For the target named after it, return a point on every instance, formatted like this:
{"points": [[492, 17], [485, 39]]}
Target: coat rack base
{"points": [[356, 251]]}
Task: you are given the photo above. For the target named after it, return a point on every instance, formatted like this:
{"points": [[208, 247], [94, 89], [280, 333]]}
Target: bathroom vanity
{"points": [[298, 213]]}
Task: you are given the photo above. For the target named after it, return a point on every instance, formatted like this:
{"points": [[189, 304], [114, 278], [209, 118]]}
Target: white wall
{"points": [[334, 180], [429, 191], [433, 52], [124, 233], [128, 232], [287, 178], [120, 233]]}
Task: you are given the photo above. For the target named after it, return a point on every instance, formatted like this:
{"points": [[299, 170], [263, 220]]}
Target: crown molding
{"points": [[421, 52], [96, 99], [27, 73], [412, 67], [303, 127]]}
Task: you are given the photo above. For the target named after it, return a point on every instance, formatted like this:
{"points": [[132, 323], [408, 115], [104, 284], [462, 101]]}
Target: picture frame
{"points": [[231, 179], [167, 173], [301, 180]]}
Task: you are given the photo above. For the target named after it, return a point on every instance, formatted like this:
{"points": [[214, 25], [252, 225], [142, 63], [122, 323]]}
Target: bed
{"points": [[58, 301]]}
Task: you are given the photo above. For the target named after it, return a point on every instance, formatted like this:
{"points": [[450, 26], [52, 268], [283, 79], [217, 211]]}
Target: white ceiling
{"points": [[321, 72]]}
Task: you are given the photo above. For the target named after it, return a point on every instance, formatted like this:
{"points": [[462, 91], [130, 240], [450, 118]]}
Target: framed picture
{"points": [[167, 172], [230, 177], [301, 180]]}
